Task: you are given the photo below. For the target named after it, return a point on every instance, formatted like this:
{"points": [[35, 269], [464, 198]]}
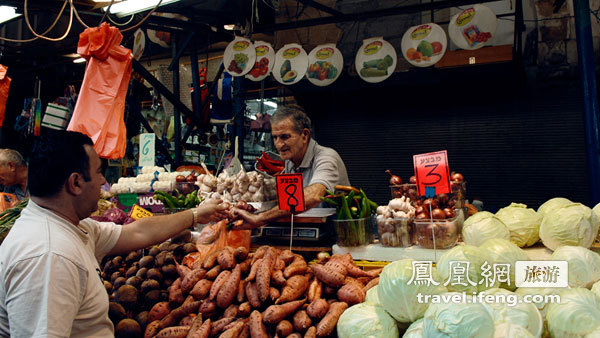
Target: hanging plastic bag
{"points": [[4, 85], [101, 103], [213, 237]]}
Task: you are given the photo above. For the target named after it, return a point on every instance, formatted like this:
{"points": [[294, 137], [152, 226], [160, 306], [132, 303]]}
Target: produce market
{"points": [[299, 168]]}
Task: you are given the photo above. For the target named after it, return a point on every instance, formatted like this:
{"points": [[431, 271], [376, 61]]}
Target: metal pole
{"points": [[585, 52], [176, 114]]}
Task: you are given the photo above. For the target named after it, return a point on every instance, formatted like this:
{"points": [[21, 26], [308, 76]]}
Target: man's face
{"points": [[91, 189], [290, 144], [7, 174]]}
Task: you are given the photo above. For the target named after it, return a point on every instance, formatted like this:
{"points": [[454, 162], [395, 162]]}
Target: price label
{"points": [[432, 173], [138, 212], [290, 192], [147, 149]]}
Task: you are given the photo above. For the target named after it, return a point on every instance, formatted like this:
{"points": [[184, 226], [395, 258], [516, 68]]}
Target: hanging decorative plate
{"points": [[424, 45], [291, 63], [325, 63], [139, 42], [265, 58], [473, 28], [375, 60], [239, 56]]}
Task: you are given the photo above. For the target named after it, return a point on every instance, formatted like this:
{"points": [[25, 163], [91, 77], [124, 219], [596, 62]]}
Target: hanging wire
{"points": [[121, 24], [26, 14], [47, 30], [106, 12]]}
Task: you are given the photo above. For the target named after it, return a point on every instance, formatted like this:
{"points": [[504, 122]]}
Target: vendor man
{"points": [[13, 173], [322, 168]]}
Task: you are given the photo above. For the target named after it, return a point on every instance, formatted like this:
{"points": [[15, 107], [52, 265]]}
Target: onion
{"points": [[394, 180], [412, 180], [457, 177], [438, 213], [422, 216], [449, 213]]}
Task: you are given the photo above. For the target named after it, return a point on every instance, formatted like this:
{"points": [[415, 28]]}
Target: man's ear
{"points": [[11, 166], [74, 184], [305, 133]]}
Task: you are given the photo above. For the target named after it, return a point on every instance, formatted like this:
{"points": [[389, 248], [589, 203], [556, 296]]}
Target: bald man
{"points": [[13, 173]]}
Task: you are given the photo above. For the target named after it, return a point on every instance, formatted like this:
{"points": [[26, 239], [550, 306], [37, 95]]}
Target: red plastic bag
{"points": [[100, 106], [4, 85]]}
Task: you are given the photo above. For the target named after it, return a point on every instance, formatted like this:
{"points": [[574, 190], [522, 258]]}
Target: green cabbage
{"points": [[577, 314], [372, 296], [476, 257], [522, 222], [482, 226], [542, 306], [553, 204], [505, 252], [366, 320], [415, 330], [596, 211], [508, 330], [573, 224], [596, 288], [513, 310], [398, 297], [584, 265], [449, 319]]}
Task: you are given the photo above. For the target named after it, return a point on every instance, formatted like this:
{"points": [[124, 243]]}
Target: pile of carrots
{"points": [[268, 165]]}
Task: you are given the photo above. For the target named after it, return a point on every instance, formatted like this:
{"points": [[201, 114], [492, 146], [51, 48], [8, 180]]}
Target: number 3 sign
{"points": [[432, 173], [290, 192]]}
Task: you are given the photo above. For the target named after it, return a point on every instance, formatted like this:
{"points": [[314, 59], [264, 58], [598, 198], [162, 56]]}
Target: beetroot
{"points": [[115, 215]]}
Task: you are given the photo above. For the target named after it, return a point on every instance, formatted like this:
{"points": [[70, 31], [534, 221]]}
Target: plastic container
{"points": [[186, 187], [354, 232], [446, 233], [405, 189], [396, 232]]}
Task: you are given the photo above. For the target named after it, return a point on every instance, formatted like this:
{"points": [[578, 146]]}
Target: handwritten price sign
{"points": [[290, 192], [432, 173]]}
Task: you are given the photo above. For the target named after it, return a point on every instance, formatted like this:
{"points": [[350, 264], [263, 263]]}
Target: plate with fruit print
{"points": [[473, 27], [424, 45], [239, 57], [265, 59], [291, 63]]}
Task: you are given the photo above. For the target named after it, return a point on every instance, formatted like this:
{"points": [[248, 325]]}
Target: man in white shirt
{"points": [[49, 271]]}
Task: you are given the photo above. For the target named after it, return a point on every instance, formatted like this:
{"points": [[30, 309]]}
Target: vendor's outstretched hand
{"points": [[212, 210], [251, 221]]}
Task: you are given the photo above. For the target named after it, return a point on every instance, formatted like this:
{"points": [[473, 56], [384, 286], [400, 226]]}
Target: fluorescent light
{"points": [[7, 13], [79, 60], [228, 27], [129, 7], [270, 104], [72, 55]]}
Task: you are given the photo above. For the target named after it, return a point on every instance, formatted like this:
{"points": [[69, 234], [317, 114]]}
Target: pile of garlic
{"points": [[142, 183], [395, 223], [249, 186]]}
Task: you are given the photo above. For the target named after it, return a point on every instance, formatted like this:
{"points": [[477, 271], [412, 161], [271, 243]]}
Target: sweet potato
{"points": [[354, 270], [293, 289], [202, 332], [327, 275], [351, 293], [207, 308], [315, 290], [328, 323], [286, 256], [375, 273], [197, 265], [274, 313], [244, 309], [158, 311], [191, 279], [213, 273], [182, 270], [328, 290], [245, 266], [279, 264], [245, 331], [260, 253], [252, 295], [277, 278], [218, 283], [372, 283], [174, 332], [176, 315], [229, 289], [296, 268], [253, 269], [241, 292], [231, 311], [337, 266], [263, 275], [311, 332], [240, 253], [364, 280], [349, 280], [225, 258], [152, 329], [234, 331], [301, 321], [256, 326], [284, 328], [175, 294], [218, 326], [201, 289], [195, 325], [295, 335], [317, 308], [274, 294], [187, 320], [210, 260]]}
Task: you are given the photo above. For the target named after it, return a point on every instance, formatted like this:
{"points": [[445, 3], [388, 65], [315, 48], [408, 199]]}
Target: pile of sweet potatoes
{"points": [[268, 293]]}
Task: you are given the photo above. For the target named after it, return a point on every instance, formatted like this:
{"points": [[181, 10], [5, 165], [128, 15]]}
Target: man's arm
{"points": [[312, 198]]}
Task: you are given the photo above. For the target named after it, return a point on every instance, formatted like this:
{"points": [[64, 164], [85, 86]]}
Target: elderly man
{"points": [[322, 168], [49, 271], [13, 173]]}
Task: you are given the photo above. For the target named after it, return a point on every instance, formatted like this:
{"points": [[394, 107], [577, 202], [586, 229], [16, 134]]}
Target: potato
{"points": [[131, 271], [108, 286], [147, 262], [134, 281], [142, 319], [154, 274], [154, 251], [142, 273], [189, 248], [119, 282], [127, 295], [128, 328], [164, 246], [114, 276], [153, 297], [116, 312], [149, 285], [132, 257], [117, 261], [160, 258], [108, 267], [169, 269]]}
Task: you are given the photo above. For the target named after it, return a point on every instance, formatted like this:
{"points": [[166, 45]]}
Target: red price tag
{"points": [[290, 192], [431, 171]]}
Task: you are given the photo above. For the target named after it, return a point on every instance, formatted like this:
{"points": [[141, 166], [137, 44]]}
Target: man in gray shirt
{"points": [[322, 168]]}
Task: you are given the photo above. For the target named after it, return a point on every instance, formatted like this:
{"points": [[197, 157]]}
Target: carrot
{"points": [[240, 253], [174, 332], [234, 331], [372, 283], [301, 321], [218, 283], [229, 289], [327, 275], [175, 294], [284, 328], [214, 272], [286, 256], [191, 279], [231, 311], [226, 259], [252, 295], [351, 293], [210, 260], [241, 291], [244, 309], [253, 270], [275, 313], [274, 293], [277, 278], [152, 329], [296, 268], [327, 324], [293, 289], [256, 326], [263, 275], [201, 289], [202, 332], [314, 290], [158, 311], [311, 332], [218, 326], [207, 308], [317, 308]]}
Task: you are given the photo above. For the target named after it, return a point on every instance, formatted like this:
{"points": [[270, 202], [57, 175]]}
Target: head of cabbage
{"points": [[577, 314], [553, 204], [596, 210], [483, 226], [505, 252], [584, 265], [366, 320], [508, 330], [372, 296], [573, 224], [462, 268], [523, 223], [399, 284], [596, 288], [508, 307], [415, 330]]}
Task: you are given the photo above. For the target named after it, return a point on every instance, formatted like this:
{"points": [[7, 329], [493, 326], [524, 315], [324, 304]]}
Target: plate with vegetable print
{"points": [[375, 60], [325, 64], [239, 57], [265, 58], [291, 63]]}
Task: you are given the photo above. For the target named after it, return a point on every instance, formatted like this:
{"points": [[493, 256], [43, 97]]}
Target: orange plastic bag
{"points": [[4, 85], [100, 106], [216, 236]]}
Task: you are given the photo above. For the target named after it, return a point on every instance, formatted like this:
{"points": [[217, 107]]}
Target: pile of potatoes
{"points": [[233, 293]]}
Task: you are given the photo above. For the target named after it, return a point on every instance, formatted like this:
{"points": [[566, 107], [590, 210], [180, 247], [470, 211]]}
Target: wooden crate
{"points": [[492, 54]]}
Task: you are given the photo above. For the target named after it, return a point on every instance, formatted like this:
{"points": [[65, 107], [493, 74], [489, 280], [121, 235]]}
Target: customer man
{"points": [[322, 168], [13, 173], [49, 272]]}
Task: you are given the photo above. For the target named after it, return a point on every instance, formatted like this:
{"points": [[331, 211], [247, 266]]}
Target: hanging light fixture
{"points": [[125, 8], [8, 13]]}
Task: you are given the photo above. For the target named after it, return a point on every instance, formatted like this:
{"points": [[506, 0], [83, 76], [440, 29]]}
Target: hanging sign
{"points": [[473, 28], [138, 212], [325, 63], [424, 45], [375, 60], [290, 192], [139, 43], [432, 173], [291, 63], [265, 58], [147, 155], [239, 56]]}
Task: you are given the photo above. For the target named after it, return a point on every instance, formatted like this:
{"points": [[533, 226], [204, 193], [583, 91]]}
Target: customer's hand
{"points": [[211, 210], [251, 221]]}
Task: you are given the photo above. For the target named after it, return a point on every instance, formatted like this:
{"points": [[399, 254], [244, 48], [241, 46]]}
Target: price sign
{"points": [[147, 149], [138, 212], [290, 192], [432, 173]]}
